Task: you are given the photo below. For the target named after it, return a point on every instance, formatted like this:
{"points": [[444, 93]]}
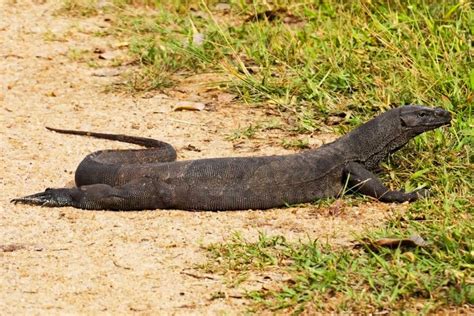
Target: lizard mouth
{"points": [[441, 118], [438, 124]]}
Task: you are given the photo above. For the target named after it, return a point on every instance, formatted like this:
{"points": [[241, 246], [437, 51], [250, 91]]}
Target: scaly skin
{"points": [[151, 179]]}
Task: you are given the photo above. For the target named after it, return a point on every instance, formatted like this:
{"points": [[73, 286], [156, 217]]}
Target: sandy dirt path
{"points": [[71, 261]]}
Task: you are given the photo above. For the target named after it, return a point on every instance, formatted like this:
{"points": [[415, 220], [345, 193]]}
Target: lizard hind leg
{"points": [[131, 196], [50, 197]]}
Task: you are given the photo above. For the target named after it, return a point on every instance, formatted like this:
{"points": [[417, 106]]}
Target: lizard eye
{"points": [[421, 114]]}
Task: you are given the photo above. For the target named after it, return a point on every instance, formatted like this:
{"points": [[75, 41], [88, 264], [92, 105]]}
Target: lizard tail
{"points": [[142, 141]]}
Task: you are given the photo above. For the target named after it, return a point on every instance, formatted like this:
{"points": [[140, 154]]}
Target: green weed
{"points": [[248, 132], [295, 143]]}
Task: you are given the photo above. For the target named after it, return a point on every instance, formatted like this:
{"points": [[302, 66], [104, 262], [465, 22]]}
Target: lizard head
{"points": [[393, 129], [416, 119]]}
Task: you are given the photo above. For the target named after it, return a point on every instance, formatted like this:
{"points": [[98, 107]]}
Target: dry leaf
{"points": [[109, 55], [334, 120], [223, 7], [189, 106], [120, 44], [11, 247], [273, 15], [225, 97], [192, 148], [336, 208], [198, 39], [51, 94], [98, 50], [101, 4], [337, 118], [19, 246], [410, 256], [107, 72], [393, 243]]}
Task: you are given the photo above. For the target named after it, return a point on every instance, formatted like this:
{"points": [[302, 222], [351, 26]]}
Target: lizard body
{"points": [[152, 179]]}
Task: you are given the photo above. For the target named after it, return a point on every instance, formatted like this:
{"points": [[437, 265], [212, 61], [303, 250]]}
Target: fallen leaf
{"points": [[336, 208], [192, 148], [409, 256], [415, 218], [337, 118], [273, 15], [120, 44], [107, 72], [12, 56], [120, 266], [138, 308], [51, 94], [19, 246], [235, 294], [393, 243], [98, 50], [334, 120], [223, 7], [225, 97], [269, 15], [189, 106], [101, 4], [11, 247], [198, 38], [109, 55], [291, 19], [198, 276], [199, 14]]}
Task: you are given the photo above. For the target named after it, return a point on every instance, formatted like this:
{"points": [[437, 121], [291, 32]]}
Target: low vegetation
{"points": [[314, 61]]}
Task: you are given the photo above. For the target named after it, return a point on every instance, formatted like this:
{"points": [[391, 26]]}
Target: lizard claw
{"points": [[50, 197], [420, 194]]}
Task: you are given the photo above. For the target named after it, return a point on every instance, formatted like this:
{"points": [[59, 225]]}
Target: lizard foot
{"points": [[418, 194], [50, 197]]}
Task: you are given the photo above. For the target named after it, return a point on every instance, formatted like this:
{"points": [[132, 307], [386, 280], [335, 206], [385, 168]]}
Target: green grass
{"points": [[317, 60], [341, 56], [356, 280]]}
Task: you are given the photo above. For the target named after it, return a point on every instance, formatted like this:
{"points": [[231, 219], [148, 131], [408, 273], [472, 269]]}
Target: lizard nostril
{"points": [[440, 113]]}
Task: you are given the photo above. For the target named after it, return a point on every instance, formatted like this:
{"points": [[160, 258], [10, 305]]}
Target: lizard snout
{"points": [[443, 115]]}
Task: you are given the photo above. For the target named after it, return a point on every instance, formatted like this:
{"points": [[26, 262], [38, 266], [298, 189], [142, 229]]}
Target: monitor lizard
{"points": [[152, 179]]}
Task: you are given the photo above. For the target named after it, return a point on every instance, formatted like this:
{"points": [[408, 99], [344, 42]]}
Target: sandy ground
{"points": [[72, 261]]}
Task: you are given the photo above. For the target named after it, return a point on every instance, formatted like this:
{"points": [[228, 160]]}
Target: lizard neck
{"points": [[375, 140]]}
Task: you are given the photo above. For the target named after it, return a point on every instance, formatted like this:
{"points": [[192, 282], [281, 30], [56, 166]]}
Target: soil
{"points": [[65, 260]]}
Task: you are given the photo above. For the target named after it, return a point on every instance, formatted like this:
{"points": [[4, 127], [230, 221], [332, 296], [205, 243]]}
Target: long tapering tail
{"points": [[142, 141]]}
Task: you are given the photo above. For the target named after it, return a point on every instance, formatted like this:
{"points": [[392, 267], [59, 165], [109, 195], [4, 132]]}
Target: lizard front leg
{"points": [[365, 182]]}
